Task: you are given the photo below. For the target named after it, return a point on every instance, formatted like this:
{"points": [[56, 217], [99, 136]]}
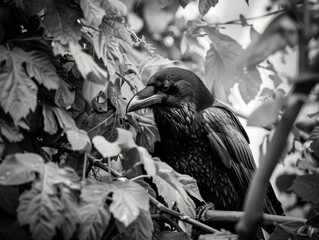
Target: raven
{"points": [[202, 138]]}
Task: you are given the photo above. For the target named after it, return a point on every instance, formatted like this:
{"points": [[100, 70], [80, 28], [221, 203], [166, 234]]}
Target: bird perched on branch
{"points": [[201, 137]]}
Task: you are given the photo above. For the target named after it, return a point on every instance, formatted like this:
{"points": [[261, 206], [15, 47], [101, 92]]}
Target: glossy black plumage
{"points": [[201, 137]]}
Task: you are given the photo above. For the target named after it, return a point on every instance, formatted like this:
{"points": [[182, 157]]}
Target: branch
{"points": [[159, 205], [253, 206], [210, 215], [235, 216]]}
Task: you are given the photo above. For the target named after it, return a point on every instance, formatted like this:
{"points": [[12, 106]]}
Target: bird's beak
{"points": [[144, 98]]}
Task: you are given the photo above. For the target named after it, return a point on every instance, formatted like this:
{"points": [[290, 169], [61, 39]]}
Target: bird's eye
{"points": [[165, 88]]}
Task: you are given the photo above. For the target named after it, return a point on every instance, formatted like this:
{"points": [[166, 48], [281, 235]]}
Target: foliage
{"points": [[67, 71]]}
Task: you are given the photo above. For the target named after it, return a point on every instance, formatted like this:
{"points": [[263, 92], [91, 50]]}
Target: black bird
{"points": [[201, 137]]}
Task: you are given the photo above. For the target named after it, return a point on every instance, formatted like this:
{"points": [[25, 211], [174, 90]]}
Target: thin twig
{"points": [[133, 88], [104, 121], [84, 166], [182, 217], [139, 177]]}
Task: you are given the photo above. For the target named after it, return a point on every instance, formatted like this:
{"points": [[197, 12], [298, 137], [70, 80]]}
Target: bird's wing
{"points": [[229, 139], [225, 131]]}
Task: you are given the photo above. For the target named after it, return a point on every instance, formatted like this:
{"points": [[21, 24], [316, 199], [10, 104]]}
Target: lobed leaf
{"points": [[172, 190], [266, 114], [42, 212], [114, 7], [220, 69], [94, 214], [93, 12], [87, 65], [307, 187], [40, 67], [140, 229], [18, 94], [282, 31], [20, 168], [10, 131], [61, 22], [128, 199], [152, 61]]}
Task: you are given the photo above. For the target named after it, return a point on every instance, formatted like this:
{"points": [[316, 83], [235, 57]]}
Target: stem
{"points": [[109, 166], [133, 88], [104, 121], [84, 166], [139, 177]]}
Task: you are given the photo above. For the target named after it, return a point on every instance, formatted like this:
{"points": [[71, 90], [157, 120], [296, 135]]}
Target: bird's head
{"points": [[172, 88]]}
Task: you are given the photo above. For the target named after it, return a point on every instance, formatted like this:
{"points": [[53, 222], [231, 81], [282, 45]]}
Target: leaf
{"points": [[114, 7], [64, 119], [266, 114], [40, 67], [51, 203], [93, 12], [284, 182], [141, 228], [18, 94], [50, 123], [125, 139], [282, 31], [184, 3], [90, 90], [307, 187], [79, 140], [10, 131], [113, 26], [61, 22], [152, 61], [128, 199], [286, 231], [220, 69], [87, 65], [9, 199], [249, 84], [42, 212], [190, 185], [205, 5], [106, 148], [254, 35], [20, 168], [64, 97], [243, 20], [170, 188], [126, 142], [95, 215], [71, 214], [33, 7]]}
